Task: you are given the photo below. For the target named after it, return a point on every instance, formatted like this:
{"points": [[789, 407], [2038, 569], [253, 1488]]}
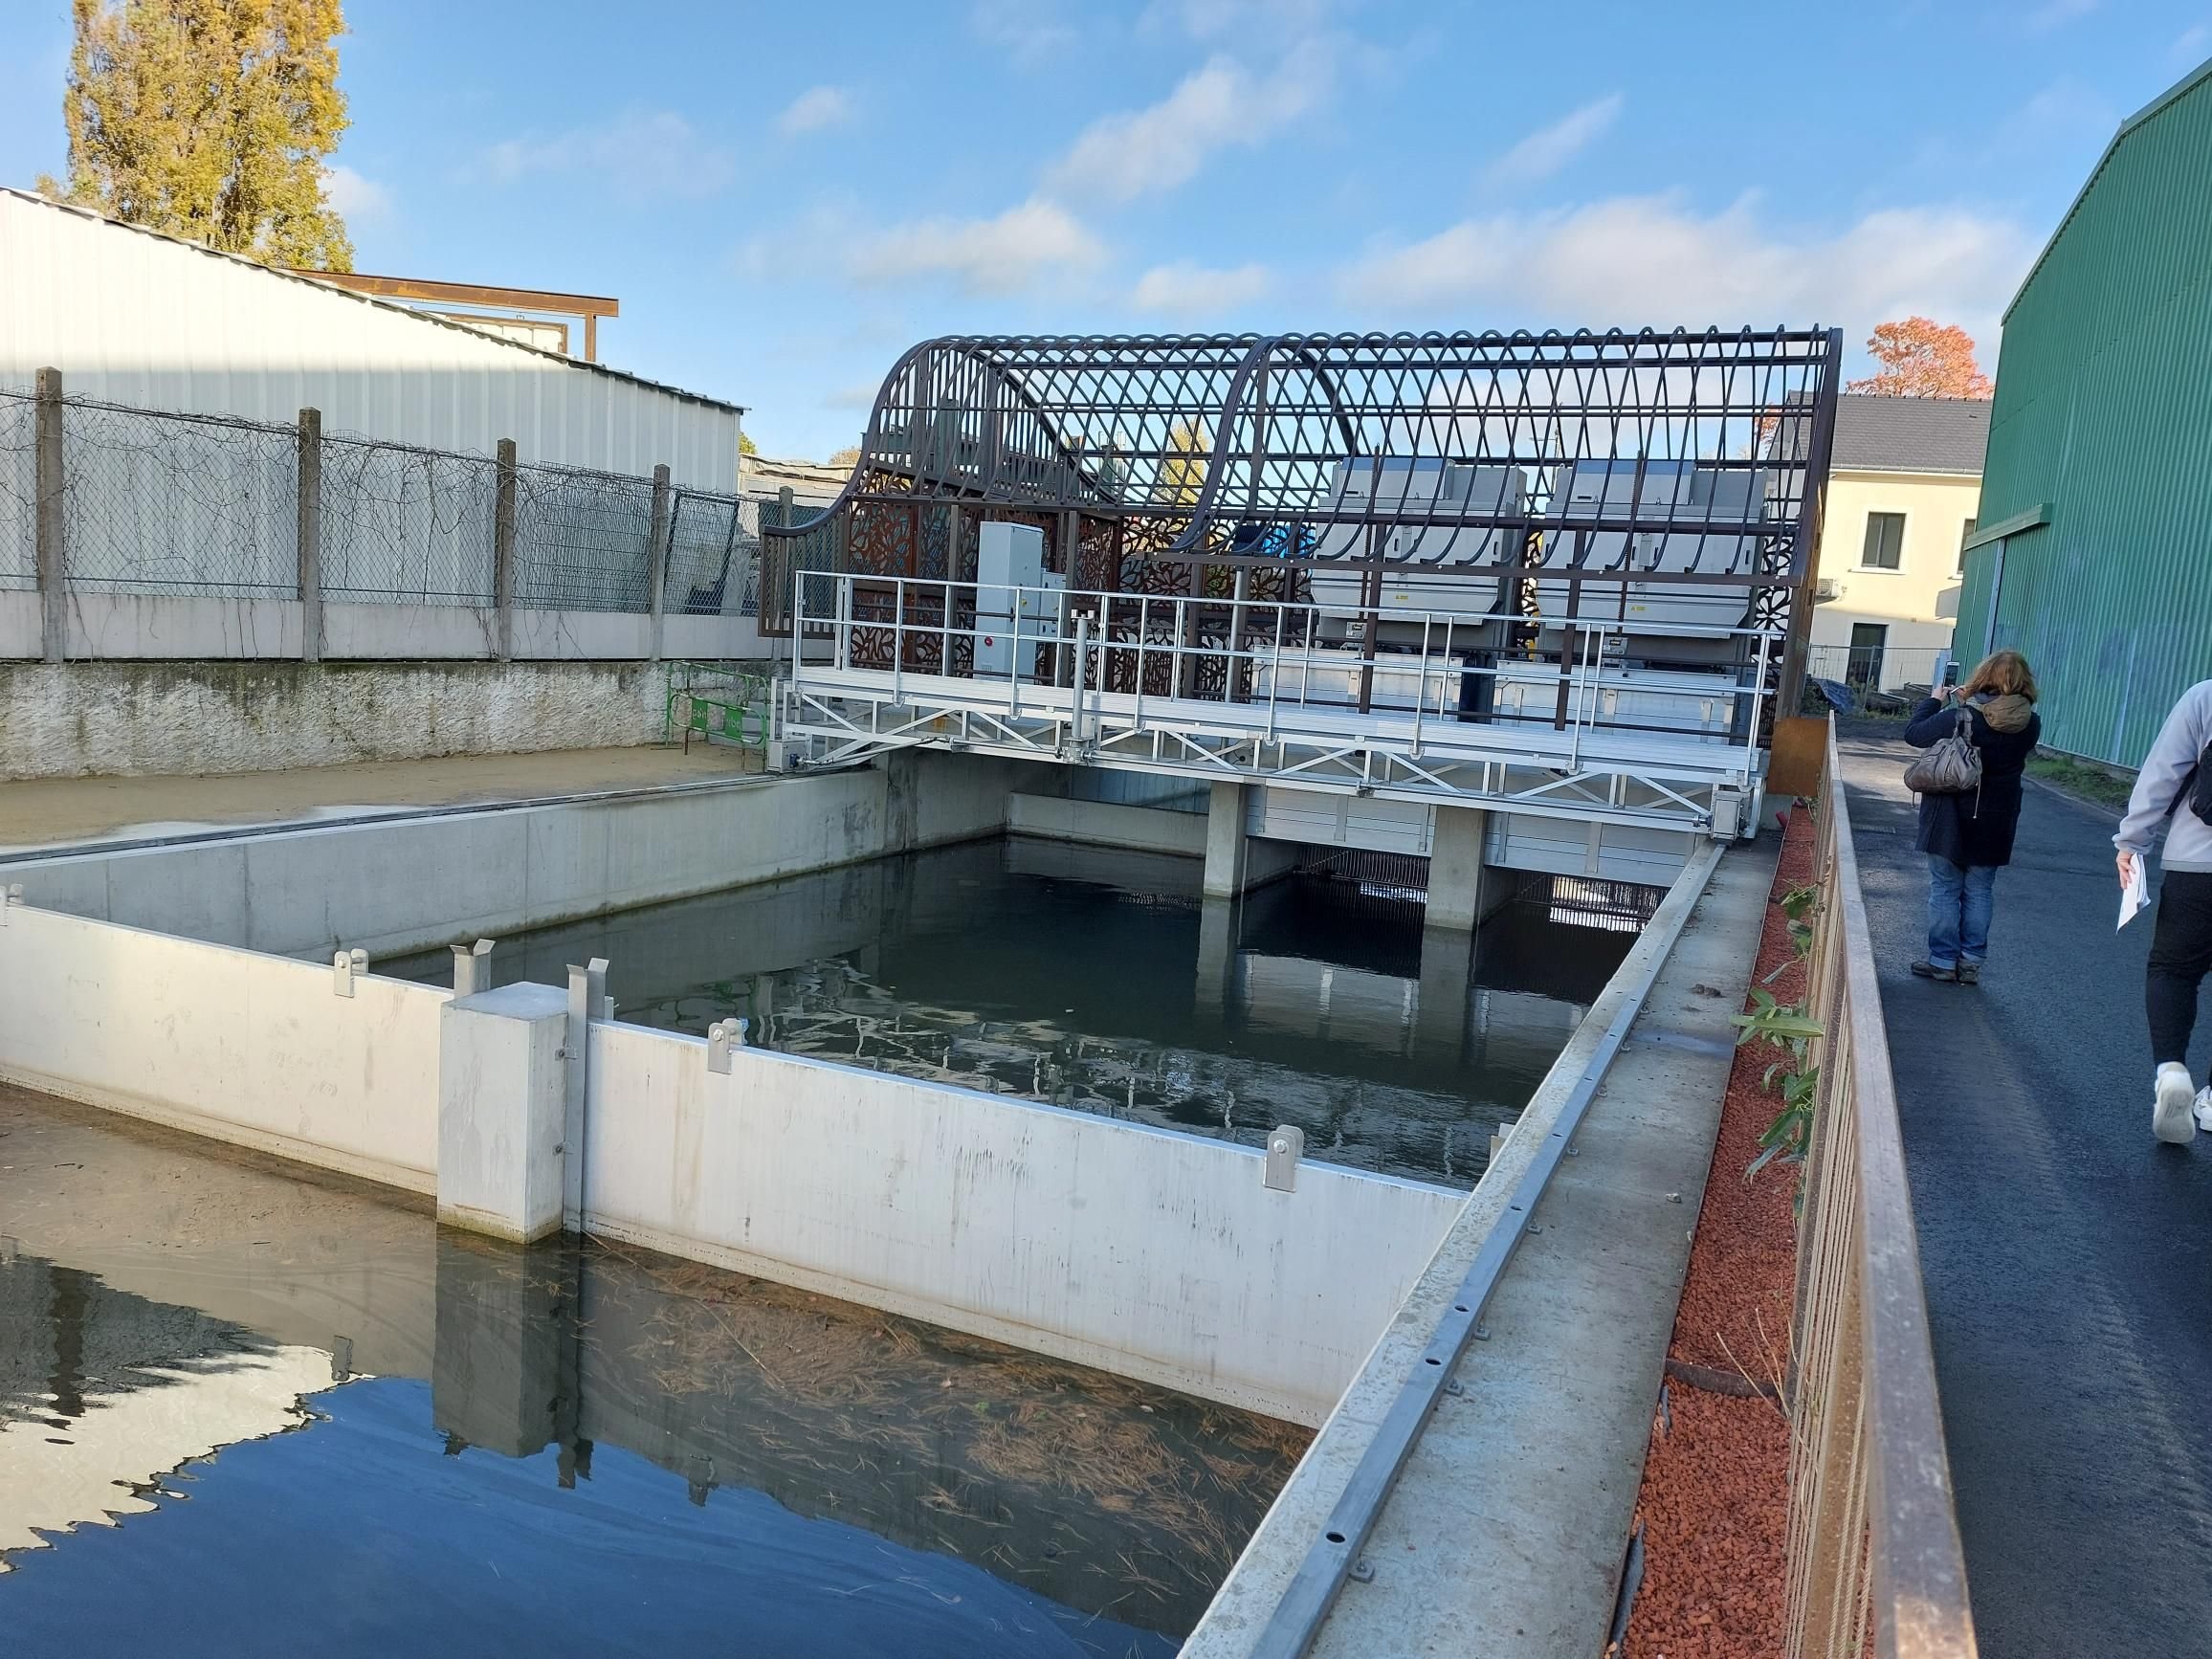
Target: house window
{"points": [[1885, 548], [1965, 536]]}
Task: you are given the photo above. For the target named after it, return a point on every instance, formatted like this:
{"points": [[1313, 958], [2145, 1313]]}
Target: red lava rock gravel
{"points": [[1716, 1494]]}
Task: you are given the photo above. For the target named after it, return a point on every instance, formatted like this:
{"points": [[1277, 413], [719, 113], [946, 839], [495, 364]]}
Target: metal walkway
{"points": [[1296, 700]]}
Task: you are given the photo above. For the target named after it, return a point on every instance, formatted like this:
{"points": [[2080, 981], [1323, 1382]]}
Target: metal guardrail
{"points": [[1873, 1534], [1336, 1555], [719, 704]]}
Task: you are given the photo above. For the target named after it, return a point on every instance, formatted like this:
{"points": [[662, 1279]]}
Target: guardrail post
{"points": [[504, 551], [310, 535], [656, 559], [53, 563]]}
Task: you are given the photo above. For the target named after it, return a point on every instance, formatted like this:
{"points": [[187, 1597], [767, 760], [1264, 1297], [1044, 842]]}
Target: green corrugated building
{"points": [[2093, 551]]}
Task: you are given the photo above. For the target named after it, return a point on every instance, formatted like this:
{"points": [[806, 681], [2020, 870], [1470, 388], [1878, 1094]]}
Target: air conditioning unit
{"points": [[1827, 588]]}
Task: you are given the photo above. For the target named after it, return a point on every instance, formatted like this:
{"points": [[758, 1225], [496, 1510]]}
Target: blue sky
{"points": [[784, 196]]}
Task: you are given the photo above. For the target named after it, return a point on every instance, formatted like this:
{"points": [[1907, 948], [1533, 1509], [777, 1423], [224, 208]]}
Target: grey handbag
{"points": [[1951, 767]]}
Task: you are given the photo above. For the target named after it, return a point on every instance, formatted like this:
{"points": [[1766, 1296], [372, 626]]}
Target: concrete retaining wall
{"points": [[93, 718], [240, 1047], [1153, 1254], [1106, 824], [403, 884]]}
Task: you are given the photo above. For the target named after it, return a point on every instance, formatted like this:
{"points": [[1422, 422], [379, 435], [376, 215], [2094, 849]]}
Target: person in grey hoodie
{"points": [[2181, 945]]}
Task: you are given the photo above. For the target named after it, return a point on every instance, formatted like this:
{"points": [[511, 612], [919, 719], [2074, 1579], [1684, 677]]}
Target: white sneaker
{"points": [[2172, 1117], [2204, 1109]]}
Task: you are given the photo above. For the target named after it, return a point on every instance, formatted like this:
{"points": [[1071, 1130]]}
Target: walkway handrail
{"points": [[1873, 1534]]}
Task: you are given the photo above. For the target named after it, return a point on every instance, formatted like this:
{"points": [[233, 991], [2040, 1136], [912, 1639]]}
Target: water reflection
{"points": [[571, 1449], [1101, 980]]}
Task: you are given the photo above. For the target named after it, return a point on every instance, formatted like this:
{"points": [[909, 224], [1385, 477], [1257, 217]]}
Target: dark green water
{"points": [[1099, 981]]}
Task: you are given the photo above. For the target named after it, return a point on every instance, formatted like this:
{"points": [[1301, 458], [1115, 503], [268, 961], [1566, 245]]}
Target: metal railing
{"points": [[1271, 658], [1876, 669], [1873, 1545]]}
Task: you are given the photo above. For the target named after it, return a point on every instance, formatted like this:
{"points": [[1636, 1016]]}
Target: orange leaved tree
{"points": [[1922, 358]]}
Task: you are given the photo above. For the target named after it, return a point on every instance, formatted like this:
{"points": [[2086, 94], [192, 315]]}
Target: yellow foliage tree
{"points": [[210, 120], [1181, 474]]}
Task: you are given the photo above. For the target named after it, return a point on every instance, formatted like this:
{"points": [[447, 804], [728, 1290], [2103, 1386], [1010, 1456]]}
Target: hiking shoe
{"points": [[1928, 971], [1969, 973], [2204, 1110], [2172, 1117]]}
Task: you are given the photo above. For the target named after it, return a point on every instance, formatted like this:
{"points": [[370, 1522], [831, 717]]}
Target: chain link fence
{"points": [[18, 492], [408, 526], [164, 503]]}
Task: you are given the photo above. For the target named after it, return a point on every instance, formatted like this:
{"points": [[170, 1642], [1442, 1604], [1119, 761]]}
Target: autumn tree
{"points": [[1922, 358], [1182, 476], [210, 120]]}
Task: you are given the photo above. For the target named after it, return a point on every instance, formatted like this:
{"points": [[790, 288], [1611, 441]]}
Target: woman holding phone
{"points": [[1968, 837]]}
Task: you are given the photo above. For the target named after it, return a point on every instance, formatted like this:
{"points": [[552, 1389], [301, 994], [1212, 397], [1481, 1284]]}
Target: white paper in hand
{"points": [[2136, 895]]}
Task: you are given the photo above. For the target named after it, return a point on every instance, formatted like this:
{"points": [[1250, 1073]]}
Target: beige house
{"points": [[1904, 487]]}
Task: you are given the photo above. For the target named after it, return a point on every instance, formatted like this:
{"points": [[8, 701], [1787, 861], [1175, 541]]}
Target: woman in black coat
{"points": [[1968, 837]]}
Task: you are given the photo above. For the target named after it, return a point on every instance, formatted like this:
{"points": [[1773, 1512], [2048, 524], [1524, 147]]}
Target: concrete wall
{"points": [[247, 1048], [88, 719], [1106, 824], [400, 884], [1154, 1254]]}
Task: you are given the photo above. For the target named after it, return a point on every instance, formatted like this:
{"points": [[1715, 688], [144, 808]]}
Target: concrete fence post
{"points": [[52, 559], [310, 535], [656, 557], [504, 550]]}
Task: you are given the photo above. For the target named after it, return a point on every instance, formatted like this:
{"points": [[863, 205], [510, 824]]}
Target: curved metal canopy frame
{"points": [[1577, 453]]}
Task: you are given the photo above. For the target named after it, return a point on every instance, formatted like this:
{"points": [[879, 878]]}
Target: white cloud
{"points": [[653, 153], [1544, 152], [1003, 255], [2189, 45], [354, 196], [1636, 260], [1184, 289], [2053, 12], [815, 108], [1138, 153], [1027, 30], [1209, 19]]}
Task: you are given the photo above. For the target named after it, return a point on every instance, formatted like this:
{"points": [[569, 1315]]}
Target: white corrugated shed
{"points": [[130, 316]]}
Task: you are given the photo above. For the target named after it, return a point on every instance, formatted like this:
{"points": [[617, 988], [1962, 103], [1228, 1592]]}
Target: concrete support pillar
{"points": [[1235, 863], [503, 548], [51, 518], [310, 535], [1455, 894], [503, 1109], [658, 536]]}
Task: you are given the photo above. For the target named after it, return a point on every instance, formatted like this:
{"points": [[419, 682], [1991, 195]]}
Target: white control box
{"points": [[1014, 606]]}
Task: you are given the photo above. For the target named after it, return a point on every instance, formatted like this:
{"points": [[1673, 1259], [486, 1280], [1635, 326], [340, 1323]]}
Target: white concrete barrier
{"points": [[412, 883], [248, 1048], [1154, 1254]]}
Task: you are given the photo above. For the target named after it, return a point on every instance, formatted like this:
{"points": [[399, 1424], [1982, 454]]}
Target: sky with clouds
{"points": [[783, 197]]}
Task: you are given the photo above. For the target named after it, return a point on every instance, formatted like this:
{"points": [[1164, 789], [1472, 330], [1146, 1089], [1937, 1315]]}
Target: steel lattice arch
{"points": [[1158, 464]]}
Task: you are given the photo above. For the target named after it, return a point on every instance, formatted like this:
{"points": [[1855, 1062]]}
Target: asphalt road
{"points": [[2067, 1256]]}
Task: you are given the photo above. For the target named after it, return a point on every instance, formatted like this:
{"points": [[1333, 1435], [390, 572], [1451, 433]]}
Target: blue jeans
{"points": [[1960, 900]]}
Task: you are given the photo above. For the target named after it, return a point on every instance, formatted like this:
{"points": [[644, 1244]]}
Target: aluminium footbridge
{"points": [[1561, 576]]}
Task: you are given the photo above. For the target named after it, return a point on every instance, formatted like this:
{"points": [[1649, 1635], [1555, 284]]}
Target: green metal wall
{"points": [[2104, 411]]}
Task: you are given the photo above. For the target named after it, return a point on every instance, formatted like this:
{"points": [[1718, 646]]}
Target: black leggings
{"points": [[2180, 955]]}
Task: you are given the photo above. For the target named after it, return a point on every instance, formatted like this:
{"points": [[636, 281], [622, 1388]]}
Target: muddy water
{"points": [[246, 1409], [1101, 980]]}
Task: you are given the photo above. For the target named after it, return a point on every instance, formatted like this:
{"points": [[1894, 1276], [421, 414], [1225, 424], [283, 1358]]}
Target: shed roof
{"points": [[429, 320], [1910, 434]]}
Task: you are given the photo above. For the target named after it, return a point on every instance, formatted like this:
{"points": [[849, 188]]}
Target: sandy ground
{"points": [[46, 812]]}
